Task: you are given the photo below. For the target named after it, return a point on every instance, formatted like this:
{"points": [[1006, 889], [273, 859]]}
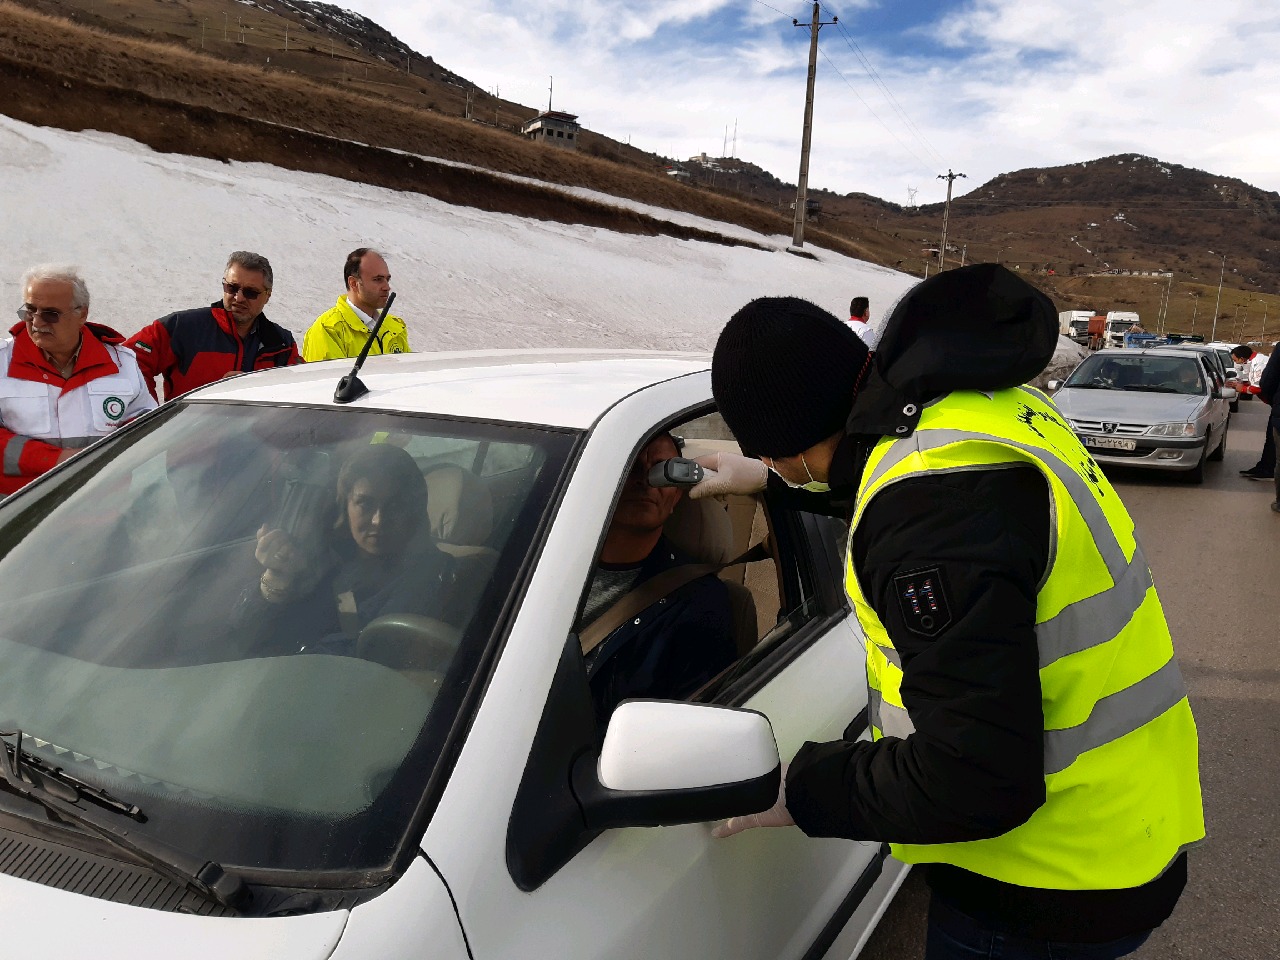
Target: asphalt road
{"points": [[1215, 555]]}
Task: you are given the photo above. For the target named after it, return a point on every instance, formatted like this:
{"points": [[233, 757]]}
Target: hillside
{"points": [[213, 78]]}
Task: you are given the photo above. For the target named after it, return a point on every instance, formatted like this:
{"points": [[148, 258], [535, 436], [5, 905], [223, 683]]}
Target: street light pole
{"points": [[1217, 303]]}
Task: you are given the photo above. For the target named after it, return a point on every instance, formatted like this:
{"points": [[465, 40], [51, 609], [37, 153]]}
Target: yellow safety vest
{"points": [[1120, 748]]}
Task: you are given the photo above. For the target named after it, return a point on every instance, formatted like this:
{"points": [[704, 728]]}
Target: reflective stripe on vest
{"points": [[1122, 789]]}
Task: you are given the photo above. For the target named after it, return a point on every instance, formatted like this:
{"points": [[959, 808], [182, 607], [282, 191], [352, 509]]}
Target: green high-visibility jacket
{"points": [[1120, 749]]}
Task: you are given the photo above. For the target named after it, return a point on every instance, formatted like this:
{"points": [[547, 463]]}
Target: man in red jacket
{"points": [[194, 347], [64, 381]]}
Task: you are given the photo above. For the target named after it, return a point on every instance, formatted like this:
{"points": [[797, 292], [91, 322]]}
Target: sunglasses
{"points": [[249, 293], [27, 313]]}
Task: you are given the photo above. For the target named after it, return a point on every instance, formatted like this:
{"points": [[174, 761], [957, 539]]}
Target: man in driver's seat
{"points": [[679, 641]]}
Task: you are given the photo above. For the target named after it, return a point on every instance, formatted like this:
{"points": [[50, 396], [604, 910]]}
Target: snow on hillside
{"points": [[151, 232]]}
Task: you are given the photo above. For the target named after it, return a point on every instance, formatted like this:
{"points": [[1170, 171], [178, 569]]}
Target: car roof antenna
{"points": [[349, 387]]}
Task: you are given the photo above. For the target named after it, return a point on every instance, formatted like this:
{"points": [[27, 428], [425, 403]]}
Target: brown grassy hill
{"points": [[58, 73], [213, 78]]}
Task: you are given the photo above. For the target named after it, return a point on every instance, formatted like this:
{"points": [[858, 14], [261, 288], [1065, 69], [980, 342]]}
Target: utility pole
{"points": [[550, 93], [1195, 308], [202, 24], [946, 215], [964, 254], [286, 36], [802, 188], [224, 25], [1164, 309], [1265, 307], [1214, 330]]}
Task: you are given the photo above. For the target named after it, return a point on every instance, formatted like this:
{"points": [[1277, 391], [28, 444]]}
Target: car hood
{"points": [[73, 925], [1126, 406]]}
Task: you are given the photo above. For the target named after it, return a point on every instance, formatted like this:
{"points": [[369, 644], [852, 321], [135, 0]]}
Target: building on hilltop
{"points": [[556, 128]]}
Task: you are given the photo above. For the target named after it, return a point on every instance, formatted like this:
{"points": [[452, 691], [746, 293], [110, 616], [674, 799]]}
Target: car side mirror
{"points": [[1224, 393], [1053, 386], [665, 763]]}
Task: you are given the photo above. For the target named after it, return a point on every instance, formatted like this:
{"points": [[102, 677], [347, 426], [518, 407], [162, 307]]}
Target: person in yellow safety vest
{"points": [[1032, 741], [342, 331]]}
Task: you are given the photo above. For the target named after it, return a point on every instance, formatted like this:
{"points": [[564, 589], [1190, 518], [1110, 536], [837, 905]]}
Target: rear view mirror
{"points": [[1053, 386], [664, 763]]}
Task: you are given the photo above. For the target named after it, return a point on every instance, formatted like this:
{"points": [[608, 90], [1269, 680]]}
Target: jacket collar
{"points": [[352, 318], [29, 362], [228, 325]]}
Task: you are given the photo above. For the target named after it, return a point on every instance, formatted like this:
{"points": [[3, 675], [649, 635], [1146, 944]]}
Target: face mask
{"points": [[813, 486]]}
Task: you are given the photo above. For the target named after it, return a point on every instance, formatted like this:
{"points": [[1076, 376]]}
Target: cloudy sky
{"points": [[907, 89]]}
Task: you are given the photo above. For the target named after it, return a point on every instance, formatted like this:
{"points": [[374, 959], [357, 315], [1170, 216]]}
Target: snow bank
{"points": [[151, 233]]}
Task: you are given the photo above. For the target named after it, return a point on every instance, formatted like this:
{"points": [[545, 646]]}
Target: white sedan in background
{"points": [[184, 770]]}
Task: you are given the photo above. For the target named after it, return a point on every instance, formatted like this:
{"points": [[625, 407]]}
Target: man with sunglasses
{"points": [[193, 347], [64, 382]]}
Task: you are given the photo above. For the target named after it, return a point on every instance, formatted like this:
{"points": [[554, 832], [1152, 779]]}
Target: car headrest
{"points": [[459, 506], [701, 529]]}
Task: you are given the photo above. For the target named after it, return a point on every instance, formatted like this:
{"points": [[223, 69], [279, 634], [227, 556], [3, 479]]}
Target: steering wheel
{"points": [[409, 642]]}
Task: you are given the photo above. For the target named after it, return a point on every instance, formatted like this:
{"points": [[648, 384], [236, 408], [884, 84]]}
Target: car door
{"points": [[651, 892]]}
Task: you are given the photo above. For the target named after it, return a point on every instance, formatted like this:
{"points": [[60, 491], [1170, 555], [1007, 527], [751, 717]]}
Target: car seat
{"points": [[1129, 375], [703, 531], [460, 511]]}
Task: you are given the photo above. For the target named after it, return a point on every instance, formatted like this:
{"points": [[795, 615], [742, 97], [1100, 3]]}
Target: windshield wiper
{"points": [[54, 777], [59, 792]]}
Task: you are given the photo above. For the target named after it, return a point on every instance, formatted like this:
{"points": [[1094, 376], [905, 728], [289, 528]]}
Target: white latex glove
{"points": [[729, 473], [775, 816]]}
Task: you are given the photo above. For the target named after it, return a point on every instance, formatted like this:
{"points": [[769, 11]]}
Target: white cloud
{"points": [[1025, 82]]}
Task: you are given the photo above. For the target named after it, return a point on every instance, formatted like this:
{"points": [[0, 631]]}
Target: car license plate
{"points": [[1110, 443]]}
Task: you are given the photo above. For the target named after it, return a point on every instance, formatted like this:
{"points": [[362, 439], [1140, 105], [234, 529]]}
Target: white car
{"points": [[200, 774]]}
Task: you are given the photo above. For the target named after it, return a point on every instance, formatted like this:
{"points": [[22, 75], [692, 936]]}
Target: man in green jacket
{"points": [[342, 331]]}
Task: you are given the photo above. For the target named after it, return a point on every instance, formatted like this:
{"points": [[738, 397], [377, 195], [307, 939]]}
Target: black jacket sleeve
{"points": [[973, 768], [1269, 383]]}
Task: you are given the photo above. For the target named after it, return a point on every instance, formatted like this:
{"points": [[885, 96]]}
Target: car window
{"points": [[768, 601], [1140, 372], [258, 623]]}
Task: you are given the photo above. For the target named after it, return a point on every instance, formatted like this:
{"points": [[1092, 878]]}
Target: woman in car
{"points": [[319, 589]]}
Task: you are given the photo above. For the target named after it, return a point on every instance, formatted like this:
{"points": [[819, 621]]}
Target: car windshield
{"points": [[1140, 372], [259, 623]]}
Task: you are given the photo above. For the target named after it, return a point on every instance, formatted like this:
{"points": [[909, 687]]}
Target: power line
{"points": [[775, 10], [925, 167], [888, 94]]}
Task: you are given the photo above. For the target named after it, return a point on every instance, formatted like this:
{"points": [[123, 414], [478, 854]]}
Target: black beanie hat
{"points": [[784, 374]]}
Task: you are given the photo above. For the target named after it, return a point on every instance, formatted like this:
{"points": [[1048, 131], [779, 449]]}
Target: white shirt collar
{"points": [[364, 317]]}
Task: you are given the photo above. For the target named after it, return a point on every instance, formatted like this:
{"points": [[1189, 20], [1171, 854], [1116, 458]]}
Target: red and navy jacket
{"points": [[193, 347]]}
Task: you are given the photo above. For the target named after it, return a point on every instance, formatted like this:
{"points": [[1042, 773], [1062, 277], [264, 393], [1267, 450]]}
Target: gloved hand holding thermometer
{"points": [[726, 473]]}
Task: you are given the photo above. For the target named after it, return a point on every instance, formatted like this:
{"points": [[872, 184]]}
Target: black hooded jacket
{"points": [[973, 769]]}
